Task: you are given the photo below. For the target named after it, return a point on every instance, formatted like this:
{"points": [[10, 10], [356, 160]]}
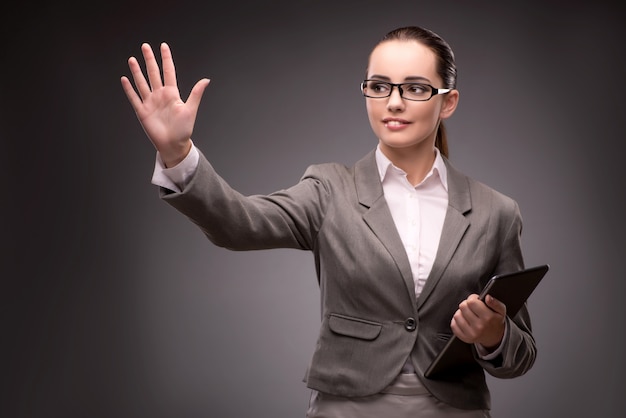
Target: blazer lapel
{"points": [[378, 217], [454, 227]]}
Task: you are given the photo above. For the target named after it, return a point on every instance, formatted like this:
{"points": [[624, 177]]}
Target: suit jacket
{"points": [[371, 320]]}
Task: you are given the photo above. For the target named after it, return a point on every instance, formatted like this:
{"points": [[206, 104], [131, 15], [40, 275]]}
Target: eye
{"points": [[378, 86], [417, 89]]}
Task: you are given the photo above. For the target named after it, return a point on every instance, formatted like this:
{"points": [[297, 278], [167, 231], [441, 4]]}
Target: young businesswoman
{"points": [[402, 241]]}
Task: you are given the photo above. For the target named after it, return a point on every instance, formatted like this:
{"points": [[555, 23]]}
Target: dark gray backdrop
{"points": [[113, 305]]}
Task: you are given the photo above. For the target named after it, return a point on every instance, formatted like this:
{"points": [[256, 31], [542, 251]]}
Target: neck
{"points": [[416, 162]]}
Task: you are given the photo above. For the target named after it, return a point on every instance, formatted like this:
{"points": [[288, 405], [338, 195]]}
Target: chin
{"points": [[401, 143]]}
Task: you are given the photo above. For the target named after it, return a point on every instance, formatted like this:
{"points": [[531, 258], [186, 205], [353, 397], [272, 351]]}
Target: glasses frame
{"points": [[433, 90]]}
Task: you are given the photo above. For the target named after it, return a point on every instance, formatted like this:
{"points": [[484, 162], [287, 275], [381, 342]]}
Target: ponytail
{"points": [[441, 140]]}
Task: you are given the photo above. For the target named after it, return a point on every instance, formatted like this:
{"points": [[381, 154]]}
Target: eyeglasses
{"points": [[420, 92]]}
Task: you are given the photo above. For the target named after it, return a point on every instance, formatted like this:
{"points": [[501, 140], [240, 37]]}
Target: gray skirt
{"points": [[406, 397]]}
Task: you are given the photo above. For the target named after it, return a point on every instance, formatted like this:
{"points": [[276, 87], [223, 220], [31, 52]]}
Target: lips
{"points": [[395, 123]]}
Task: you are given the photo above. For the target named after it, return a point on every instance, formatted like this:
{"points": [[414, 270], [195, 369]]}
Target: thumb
{"points": [[495, 305], [197, 91]]}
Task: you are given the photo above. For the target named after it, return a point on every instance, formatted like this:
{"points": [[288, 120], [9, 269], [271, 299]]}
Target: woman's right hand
{"points": [[166, 119]]}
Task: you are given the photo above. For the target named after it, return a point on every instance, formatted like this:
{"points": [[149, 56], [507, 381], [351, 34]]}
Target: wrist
{"points": [[173, 156], [492, 344]]}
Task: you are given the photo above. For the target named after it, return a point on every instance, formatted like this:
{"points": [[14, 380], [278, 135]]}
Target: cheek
{"points": [[374, 109], [368, 107], [371, 112], [428, 114]]}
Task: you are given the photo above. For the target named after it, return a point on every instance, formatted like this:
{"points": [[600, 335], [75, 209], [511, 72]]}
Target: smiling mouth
{"points": [[395, 122]]}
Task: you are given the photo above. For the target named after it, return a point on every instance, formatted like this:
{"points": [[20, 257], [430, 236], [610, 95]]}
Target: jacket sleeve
{"points": [[519, 350], [285, 219]]}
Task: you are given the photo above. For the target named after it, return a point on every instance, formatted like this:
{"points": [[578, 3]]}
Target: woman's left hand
{"points": [[480, 322]]}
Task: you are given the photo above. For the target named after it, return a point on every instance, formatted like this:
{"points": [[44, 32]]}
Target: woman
{"points": [[402, 240]]}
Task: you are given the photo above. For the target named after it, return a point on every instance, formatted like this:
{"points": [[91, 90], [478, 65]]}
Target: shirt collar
{"points": [[438, 170]]}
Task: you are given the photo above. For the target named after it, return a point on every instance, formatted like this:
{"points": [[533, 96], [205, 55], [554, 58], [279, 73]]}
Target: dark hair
{"points": [[446, 66]]}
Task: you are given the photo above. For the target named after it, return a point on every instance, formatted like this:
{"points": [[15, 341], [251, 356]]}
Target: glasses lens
{"points": [[374, 88], [416, 91]]}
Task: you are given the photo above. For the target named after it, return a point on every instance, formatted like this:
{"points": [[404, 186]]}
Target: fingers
{"points": [[480, 322], [152, 67], [473, 296], [473, 316], [150, 94], [143, 87], [467, 316], [460, 327], [133, 98], [140, 82], [169, 72], [472, 309]]}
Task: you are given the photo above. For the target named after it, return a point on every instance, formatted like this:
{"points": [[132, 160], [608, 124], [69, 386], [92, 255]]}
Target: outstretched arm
{"points": [[166, 119]]}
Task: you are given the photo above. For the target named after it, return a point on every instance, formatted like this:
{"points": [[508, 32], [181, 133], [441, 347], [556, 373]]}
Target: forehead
{"points": [[401, 59]]}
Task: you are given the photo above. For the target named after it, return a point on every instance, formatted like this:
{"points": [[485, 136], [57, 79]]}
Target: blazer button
{"points": [[410, 324]]}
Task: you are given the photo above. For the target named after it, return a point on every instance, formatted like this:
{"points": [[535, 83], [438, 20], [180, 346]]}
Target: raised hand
{"points": [[166, 119]]}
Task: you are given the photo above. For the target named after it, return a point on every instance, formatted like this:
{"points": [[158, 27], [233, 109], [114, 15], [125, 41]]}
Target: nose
{"points": [[395, 101]]}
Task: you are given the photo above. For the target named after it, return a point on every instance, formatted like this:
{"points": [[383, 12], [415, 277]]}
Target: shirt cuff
{"points": [[175, 178]]}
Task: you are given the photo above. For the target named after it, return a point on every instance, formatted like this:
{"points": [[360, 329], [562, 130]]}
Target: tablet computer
{"points": [[512, 289]]}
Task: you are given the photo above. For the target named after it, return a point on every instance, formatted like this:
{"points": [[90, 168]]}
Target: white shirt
{"points": [[418, 212]]}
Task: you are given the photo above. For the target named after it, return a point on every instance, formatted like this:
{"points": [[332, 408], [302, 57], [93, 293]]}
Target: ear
{"points": [[450, 102]]}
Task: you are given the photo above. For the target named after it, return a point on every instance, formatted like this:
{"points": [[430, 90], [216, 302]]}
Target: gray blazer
{"points": [[371, 320]]}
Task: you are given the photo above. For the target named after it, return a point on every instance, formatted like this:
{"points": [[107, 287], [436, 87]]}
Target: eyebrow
{"points": [[409, 78]]}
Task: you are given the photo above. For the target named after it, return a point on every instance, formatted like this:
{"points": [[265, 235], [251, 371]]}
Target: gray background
{"points": [[114, 305]]}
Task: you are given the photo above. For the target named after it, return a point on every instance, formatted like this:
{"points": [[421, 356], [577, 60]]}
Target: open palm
{"points": [[165, 117]]}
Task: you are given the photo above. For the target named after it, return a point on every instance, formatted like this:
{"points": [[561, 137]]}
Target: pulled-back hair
{"points": [[446, 66]]}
